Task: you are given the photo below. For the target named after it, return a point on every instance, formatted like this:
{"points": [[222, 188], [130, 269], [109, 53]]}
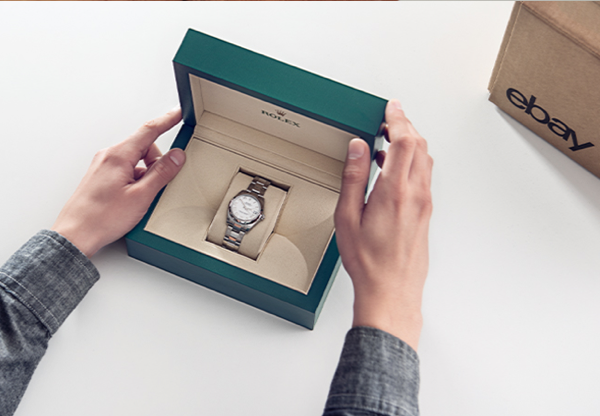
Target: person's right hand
{"points": [[383, 243]]}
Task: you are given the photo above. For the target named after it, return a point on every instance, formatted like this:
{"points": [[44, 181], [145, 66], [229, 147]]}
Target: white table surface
{"points": [[511, 303]]}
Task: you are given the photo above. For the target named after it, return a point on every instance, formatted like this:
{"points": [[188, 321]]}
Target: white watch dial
{"points": [[245, 208]]}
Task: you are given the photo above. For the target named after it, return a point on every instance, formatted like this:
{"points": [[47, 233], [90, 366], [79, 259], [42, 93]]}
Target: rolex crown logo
{"points": [[280, 116]]}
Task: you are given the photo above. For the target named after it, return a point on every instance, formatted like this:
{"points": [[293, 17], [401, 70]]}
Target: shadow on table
{"points": [[575, 175]]}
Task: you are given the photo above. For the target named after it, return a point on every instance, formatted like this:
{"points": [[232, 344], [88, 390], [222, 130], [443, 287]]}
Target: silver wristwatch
{"points": [[244, 212]]}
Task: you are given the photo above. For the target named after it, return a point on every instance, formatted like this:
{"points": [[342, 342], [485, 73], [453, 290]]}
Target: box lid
{"points": [[577, 20], [273, 81]]}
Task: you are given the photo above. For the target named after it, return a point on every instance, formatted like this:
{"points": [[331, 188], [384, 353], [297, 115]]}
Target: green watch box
{"points": [[248, 116]]}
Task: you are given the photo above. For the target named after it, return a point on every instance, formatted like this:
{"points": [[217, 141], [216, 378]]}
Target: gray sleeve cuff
{"points": [[50, 276], [377, 374]]}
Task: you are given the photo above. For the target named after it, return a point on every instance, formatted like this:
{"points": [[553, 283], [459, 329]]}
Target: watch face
{"points": [[245, 208]]}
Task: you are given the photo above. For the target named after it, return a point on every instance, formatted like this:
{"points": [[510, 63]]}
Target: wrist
{"points": [[84, 243], [401, 318]]}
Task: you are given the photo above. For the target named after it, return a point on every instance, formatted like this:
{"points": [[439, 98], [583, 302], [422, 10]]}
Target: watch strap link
{"points": [[233, 237], [259, 186]]}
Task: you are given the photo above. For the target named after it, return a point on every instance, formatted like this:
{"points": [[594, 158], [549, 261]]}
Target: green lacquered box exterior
{"points": [[285, 86]]}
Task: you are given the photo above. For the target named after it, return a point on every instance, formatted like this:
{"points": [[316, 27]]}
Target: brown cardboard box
{"points": [[547, 75]]}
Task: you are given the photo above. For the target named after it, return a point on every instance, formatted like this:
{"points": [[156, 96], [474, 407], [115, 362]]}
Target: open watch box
{"points": [[250, 215]]}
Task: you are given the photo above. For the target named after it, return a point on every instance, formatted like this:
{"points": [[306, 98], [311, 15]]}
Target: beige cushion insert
{"points": [[191, 202]]}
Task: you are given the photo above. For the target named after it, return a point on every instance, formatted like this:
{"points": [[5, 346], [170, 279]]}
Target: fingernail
{"points": [[178, 157], [355, 149], [176, 108], [396, 104]]}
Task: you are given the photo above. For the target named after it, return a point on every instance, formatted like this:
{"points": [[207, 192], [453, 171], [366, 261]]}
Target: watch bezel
{"points": [[248, 223]]}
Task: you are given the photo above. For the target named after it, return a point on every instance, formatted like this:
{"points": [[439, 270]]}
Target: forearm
{"points": [[39, 287], [378, 374]]}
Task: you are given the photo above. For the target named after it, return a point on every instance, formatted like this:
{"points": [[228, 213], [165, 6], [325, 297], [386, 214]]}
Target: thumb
{"points": [[162, 172], [354, 183]]}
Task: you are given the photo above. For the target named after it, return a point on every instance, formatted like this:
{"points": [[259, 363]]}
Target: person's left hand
{"points": [[115, 193]]}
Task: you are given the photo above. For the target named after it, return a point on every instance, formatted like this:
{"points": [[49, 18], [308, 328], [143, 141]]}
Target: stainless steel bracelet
{"points": [[259, 186], [233, 237]]}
